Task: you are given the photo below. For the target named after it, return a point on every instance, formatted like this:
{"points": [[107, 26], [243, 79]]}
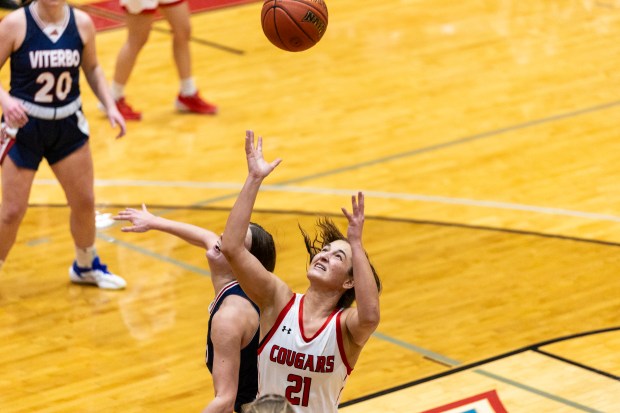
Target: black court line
{"points": [[577, 364], [204, 42], [113, 16], [455, 142], [476, 364], [339, 215]]}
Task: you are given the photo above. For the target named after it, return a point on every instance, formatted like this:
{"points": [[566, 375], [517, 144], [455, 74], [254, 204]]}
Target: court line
{"points": [[577, 364], [128, 245], [347, 192], [447, 361], [538, 392], [96, 11], [458, 141], [473, 366]]}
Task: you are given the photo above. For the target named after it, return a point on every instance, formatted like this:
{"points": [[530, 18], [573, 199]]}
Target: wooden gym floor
{"points": [[485, 136]]}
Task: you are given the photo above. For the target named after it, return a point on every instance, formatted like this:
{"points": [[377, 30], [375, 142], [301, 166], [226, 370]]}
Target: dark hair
{"points": [[269, 403], [328, 233], [263, 246]]}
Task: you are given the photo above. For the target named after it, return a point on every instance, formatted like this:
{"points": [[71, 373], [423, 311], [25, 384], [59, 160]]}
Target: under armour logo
{"points": [[287, 330]]}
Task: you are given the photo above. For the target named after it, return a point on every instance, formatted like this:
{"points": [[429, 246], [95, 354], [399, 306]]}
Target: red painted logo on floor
{"points": [[482, 403]]}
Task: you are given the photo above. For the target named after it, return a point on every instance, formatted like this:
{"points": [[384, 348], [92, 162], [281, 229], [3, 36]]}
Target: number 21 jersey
{"points": [[309, 371]]}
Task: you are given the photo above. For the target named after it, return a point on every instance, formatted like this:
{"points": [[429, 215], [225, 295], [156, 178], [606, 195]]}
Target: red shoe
{"points": [[194, 104], [127, 111]]}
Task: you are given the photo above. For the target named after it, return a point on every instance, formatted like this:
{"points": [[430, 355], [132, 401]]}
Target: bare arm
{"points": [[143, 221], [232, 328], [94, 72], [12, 32], [362, 320], [263, 287]]}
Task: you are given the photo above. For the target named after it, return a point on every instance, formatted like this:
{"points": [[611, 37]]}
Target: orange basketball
{"points": [[294, 25]]}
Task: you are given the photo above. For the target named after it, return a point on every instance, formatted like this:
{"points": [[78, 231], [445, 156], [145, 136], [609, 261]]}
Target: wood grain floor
{"points": [[485, 136]]}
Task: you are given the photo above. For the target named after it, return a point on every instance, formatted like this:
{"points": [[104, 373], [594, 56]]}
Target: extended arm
{"points": [[143, 220], [363, 320], [94, 72], [258, 283]]}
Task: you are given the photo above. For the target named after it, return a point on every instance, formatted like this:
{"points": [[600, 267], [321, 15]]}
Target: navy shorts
{"points": [[53, 140]]}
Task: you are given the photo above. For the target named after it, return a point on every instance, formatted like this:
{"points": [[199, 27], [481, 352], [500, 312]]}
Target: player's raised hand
{"points": [[258, 167], [140, 219], [355, 218]]}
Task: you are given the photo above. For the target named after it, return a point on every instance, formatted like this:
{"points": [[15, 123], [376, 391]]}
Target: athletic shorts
{"points": [[146, 6], [53, 140]]}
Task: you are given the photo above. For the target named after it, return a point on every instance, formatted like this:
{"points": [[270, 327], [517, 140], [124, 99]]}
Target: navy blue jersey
{"points": [[248, 369], [45, 72]]}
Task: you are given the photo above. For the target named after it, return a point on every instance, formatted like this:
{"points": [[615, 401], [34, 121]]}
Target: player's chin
{"points": [[315, 273]]}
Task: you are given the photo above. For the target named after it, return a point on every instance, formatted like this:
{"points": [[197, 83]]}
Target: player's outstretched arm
{"points": [[143, 221], [363, 320], [258, 283]]}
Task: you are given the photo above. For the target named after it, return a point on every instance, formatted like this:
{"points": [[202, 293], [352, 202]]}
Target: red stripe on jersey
{"points": [[343, 355], [221, 293], [276, 325]]}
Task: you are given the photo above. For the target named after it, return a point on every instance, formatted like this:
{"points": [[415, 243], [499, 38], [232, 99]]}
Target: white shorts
{"points": [[146, 6]]}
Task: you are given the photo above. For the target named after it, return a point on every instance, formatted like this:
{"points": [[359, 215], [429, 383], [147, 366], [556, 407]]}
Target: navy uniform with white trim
{"points": [[48, 43], [45, 76], [248, 369]]}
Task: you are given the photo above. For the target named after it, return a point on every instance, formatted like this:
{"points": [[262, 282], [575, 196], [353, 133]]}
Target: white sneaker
{"points": [[97, 275]]}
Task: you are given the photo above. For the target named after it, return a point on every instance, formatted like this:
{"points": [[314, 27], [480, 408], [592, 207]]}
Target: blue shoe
{"points": [[97, 275]]}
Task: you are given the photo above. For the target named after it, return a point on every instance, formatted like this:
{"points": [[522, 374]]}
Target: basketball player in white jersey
{"points": [[309, 342]]}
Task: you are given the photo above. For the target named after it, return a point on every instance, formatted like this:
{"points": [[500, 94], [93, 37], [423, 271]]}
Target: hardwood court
{"points": [[484, 135]]}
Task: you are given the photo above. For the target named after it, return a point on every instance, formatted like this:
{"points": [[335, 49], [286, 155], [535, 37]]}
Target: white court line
{"points": [[349, 192]]}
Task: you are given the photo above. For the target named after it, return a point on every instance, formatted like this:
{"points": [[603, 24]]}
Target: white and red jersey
{"points": [[309, 371]]}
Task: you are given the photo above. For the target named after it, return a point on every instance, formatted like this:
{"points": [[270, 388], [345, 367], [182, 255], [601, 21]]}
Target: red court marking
{"points": [[490, 396], [109, 14]]}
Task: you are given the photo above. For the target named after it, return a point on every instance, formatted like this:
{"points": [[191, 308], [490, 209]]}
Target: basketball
{"points": [[294, 25]]}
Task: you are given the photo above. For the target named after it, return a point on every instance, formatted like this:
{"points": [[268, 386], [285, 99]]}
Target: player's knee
{"points": [[12, 213], [136, 43], [85, 203], [182, 34]]}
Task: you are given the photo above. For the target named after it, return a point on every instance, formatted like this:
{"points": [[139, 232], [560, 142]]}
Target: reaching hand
{"points": [[257, 166], [356, 219], [141, 220]]}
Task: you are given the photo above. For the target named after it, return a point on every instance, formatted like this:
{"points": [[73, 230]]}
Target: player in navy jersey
{"points": [[232, 338], [309, 342], [48, 42]]}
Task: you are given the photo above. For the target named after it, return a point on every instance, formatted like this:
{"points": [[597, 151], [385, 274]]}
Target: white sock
{"points": [[85, 256], [188, 87], [117, 90]]}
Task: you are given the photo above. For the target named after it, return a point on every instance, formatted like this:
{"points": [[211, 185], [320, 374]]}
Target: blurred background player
{"points": [[232, 338], [139, 20], [47, 42]]}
